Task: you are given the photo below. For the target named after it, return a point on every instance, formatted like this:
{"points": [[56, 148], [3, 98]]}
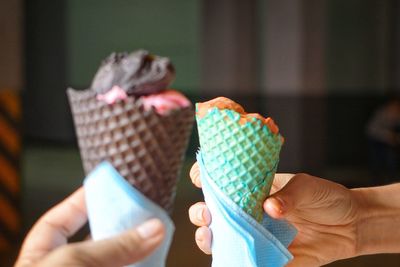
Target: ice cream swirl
{"points": [[137, 73]]}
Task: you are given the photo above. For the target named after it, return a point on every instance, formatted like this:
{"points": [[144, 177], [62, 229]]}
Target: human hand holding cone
{"points": [[129, 118], [240, 152]]}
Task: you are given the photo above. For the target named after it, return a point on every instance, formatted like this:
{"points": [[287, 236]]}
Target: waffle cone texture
{"points": [[241, 158], [147, 149]]}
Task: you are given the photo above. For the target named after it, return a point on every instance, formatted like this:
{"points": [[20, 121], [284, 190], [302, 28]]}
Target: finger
{"points": [[280, 180], [279, 204], [203, 239], [195, 175], [299, 189], [199, 214], [124, 249], [55, 227]]}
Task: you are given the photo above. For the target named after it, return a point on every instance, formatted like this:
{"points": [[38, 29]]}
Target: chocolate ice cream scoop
{"points": [[137, 73]]}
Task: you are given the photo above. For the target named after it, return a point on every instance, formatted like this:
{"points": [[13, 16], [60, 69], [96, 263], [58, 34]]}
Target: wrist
{"points": [[378, 219]]}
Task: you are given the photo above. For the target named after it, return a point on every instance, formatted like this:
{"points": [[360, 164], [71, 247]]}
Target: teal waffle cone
{"points": [[241, 157]]}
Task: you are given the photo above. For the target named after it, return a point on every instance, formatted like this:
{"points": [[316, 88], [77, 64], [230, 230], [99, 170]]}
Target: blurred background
{"points": [[327, 71]]}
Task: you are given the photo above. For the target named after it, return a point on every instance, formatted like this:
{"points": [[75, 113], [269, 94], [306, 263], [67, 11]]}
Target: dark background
{"points": [[318, 67], [308, 64]]}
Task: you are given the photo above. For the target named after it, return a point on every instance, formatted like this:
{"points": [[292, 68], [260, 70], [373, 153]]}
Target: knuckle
{"points": [[70, 251], [199, 214], [192, 214], [203, 239], [195, 174], [73, 254], [130, 243]]}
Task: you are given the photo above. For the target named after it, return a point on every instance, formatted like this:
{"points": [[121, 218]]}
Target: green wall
{"points": [[357, 43], [168, 28]]}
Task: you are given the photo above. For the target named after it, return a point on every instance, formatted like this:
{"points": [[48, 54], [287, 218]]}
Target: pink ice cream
{"points": [[116, 93], [163, 102]]}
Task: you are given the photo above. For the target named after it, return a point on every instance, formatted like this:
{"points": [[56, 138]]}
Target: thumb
{"points": [[127, 248], [300, 192]]}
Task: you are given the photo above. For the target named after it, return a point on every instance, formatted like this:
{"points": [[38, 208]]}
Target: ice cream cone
{"points": [[240, 152], [145, 147]]}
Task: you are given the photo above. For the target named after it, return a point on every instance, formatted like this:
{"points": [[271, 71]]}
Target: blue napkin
{"points": [[238, 239], [114, 206]]}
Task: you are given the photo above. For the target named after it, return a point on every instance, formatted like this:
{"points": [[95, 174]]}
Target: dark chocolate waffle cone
{"points": [[146, 148]]}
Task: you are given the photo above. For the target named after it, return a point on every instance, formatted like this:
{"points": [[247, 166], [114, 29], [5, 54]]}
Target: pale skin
{"points": [[333, 222], [47, 242]]}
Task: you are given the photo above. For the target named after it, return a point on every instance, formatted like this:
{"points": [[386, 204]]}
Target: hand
{"points": [[324, 213], [46, 244]]}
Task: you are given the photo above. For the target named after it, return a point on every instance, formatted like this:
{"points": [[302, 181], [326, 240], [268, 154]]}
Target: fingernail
{"points": [[194, 172], [199, 238], [200, 215], [150, 228], [199, 235], [276, 204]]}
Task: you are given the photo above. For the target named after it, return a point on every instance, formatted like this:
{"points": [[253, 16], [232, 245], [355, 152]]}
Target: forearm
{"points": [[378, 222]]}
